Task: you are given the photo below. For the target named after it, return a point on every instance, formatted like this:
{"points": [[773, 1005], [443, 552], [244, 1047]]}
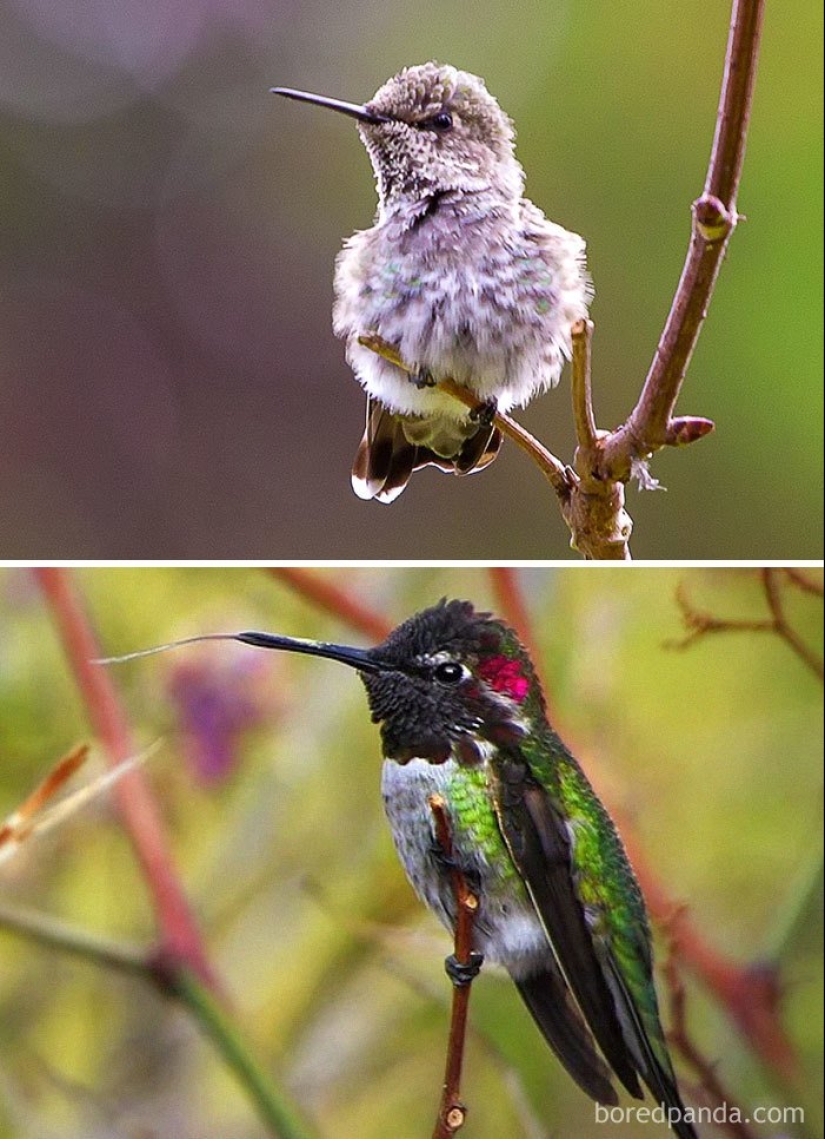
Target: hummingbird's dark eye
{"points": [[440, 122], [449, 672]]}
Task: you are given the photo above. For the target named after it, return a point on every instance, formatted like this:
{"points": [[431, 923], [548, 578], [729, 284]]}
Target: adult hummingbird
{"points": [[463, 716], [461, 274]]}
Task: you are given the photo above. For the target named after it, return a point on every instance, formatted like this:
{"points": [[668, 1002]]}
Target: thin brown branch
{"points": [[333, 599], [700, 623], [594, 511], [559, 476], [782, 627], [592, 496], [682, 1041], [581, 383], [452, 1112], [805, 583], [180, 939], [650, 425]]}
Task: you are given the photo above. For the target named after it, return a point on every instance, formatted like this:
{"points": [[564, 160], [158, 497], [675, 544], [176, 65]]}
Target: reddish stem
{"points": [[181, 944], [452, 1112], [681, 1039], [332, 599], [714, 219], [747, 993]]}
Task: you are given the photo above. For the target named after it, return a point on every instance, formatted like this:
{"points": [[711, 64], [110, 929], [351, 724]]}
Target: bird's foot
{"points": [[422, 379], [485, 413], [463, 973]]}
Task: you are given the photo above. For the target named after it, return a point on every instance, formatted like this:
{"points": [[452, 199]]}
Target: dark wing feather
{"points": [[385, 459], [537, 839], [479, 450], [657, 1075], [548, 999]]}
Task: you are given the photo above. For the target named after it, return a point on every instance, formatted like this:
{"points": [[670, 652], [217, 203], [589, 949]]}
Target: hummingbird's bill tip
{"points": [[354, 110]]}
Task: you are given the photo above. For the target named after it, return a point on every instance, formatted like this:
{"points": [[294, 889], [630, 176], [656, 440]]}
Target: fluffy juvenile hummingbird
{"points": [[460, 273], [463, 716]]}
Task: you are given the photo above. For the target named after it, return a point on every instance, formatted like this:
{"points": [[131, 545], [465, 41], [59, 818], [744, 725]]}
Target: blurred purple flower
{"points": [[216, 703]]}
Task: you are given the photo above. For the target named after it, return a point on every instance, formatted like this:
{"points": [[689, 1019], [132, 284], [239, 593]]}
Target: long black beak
{"points": [[355, 658], [363, 114]]}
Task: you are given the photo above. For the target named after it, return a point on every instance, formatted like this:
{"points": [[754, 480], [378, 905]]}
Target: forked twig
{"points": [[452, 1112], [592, 496], [651, 425], [700, 623]]}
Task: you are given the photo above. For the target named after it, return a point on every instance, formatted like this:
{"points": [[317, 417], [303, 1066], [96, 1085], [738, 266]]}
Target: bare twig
{"points": [[805, 583], [452, 1112], [581, 383], [700, 623], [783, 629], [650, 425], [592, 496], [733, 1117], [52, 933], [333, 599], [180, 939], [558, 475], [604, 462]]}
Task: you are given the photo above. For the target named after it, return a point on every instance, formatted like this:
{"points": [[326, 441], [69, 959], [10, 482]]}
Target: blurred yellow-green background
{"points": [[267, 778], [169, 382]]}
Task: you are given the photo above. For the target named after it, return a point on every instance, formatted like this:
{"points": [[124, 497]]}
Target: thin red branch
{"points": [[784, 630], [682, 1041], [181, 944], [330, 598], [749, 995], [510, 604], [452, 1112], [714, 219], [700, 623]]}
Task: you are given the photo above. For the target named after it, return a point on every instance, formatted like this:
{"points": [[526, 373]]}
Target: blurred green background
{"points": [[169, 382], [268, 780]]}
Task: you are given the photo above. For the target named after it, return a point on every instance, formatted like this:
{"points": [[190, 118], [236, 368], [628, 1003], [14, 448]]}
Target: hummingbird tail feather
{"points": [[547, 999], [479, 451], [653, 1063], [385, 460]]}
